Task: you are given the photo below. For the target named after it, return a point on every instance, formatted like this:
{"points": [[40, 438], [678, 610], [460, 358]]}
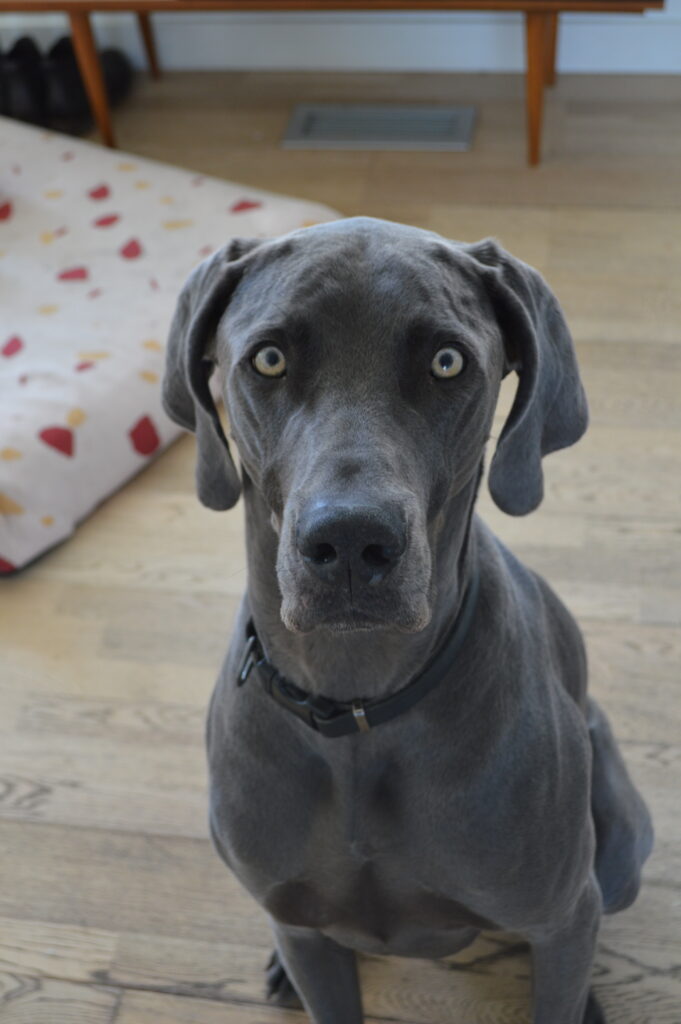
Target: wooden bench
{"points": [[541, 27]]}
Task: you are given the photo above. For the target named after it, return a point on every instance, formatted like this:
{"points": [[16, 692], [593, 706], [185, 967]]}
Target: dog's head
{"points": [[360, 363]]}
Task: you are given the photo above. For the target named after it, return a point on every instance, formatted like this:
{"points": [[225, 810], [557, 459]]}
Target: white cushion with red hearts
{"points": [[94, 248]]}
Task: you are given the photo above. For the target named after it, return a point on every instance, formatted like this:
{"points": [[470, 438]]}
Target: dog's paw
{"points": [[279, 989], [593, 1013]]}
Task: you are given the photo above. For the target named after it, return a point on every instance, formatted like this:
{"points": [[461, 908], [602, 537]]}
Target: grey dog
{"points": [[402, 751]]}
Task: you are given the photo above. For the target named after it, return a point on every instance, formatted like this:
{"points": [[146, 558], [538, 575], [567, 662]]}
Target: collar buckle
{"points": [[360, 716], [248, 660]]}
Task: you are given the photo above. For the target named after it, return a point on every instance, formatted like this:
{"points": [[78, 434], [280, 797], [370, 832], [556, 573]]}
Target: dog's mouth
{"points": [[306, 612], [358, 624], [354, 622]]}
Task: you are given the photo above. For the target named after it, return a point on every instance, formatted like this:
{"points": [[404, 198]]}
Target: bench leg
{"points": [[535, 36], [551, 42], [91, 70], [144, 22]]}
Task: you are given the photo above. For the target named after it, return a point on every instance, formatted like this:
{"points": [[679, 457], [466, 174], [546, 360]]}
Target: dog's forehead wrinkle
{"points": [[345, 285], [353, 252], [354, 272]]}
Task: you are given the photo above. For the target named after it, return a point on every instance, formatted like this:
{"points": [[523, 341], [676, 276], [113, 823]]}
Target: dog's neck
{"points": [[343, 666]]}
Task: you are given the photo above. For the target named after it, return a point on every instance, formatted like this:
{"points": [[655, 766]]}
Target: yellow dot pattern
{"points": [[8, 507], [75, 417], [175, 225]]}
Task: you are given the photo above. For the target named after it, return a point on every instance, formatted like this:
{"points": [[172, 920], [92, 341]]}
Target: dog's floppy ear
{"points": [[185, 392], [550, 408]]}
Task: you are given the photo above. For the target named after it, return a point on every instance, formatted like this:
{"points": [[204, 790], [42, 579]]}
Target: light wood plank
{"points": [[30, 1000], [67, 952], [116, 881]]}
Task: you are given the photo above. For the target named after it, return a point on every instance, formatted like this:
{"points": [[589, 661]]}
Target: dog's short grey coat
{"points": [[500, 800]]}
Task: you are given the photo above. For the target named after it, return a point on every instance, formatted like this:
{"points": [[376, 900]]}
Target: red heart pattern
{"points": [[131, 250], [86, 364], [6, 566], [100, 192], [6, 210], [244, 204], [74, 274], [12, 346], [60, 438], [144, 437], [107, 220]]}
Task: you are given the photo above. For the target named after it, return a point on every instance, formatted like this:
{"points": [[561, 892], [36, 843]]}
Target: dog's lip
{"points": [[358, 623], [353, 620]]}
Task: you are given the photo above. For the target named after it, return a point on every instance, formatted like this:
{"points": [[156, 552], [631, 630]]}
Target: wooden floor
{"points": [[113, 906]]}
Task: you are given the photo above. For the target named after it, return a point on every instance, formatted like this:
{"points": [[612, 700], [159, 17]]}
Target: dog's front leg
{"points": [[561, 966], [323, 973]]}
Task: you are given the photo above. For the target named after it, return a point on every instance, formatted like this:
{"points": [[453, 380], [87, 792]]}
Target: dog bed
{"points": [[94, 248]]}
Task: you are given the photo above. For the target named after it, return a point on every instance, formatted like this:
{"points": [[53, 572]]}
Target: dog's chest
{"points": [[351, 847], [371, 908]]}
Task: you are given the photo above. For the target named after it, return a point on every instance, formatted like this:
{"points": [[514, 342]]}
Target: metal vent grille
{"points": [[386, 126]]}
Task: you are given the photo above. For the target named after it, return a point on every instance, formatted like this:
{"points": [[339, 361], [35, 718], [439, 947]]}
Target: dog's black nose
{"points": [[352, 544]]}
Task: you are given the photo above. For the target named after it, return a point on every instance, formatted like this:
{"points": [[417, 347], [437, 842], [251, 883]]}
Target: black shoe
{"points": [[67, 102], [68, 105], [118, 74], [23, 91]]}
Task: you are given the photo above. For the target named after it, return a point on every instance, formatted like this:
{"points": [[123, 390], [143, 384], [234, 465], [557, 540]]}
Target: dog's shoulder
{"points": [[523, 610]]}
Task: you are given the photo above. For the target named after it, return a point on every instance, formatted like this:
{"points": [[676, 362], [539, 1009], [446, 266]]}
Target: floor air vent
{"points": [[360, 126]]}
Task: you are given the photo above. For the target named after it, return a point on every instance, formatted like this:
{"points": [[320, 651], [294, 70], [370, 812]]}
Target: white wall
{"points": [[419, 41]]}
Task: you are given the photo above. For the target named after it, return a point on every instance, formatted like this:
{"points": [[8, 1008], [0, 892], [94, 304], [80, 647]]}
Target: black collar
{"points": [[340, 718]]}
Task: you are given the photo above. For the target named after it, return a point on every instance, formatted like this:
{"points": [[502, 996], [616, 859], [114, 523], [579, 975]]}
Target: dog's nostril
{"points": [[377, 556], [323, 554], [347, 545]]}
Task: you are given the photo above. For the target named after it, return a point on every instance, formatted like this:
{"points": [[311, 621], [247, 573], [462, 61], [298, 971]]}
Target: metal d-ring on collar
{"points": [[340, 718]]}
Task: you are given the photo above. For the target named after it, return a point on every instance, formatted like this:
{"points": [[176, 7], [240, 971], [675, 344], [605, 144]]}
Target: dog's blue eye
{"points": [[448, 362], [270, 362]]}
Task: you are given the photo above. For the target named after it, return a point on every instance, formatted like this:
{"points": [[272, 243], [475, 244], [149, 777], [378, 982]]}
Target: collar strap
{"points": [[341, 718]]}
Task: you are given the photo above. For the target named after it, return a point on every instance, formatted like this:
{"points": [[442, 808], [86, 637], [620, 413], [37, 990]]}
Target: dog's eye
{"points": [[448, 362], [270, 362]]}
